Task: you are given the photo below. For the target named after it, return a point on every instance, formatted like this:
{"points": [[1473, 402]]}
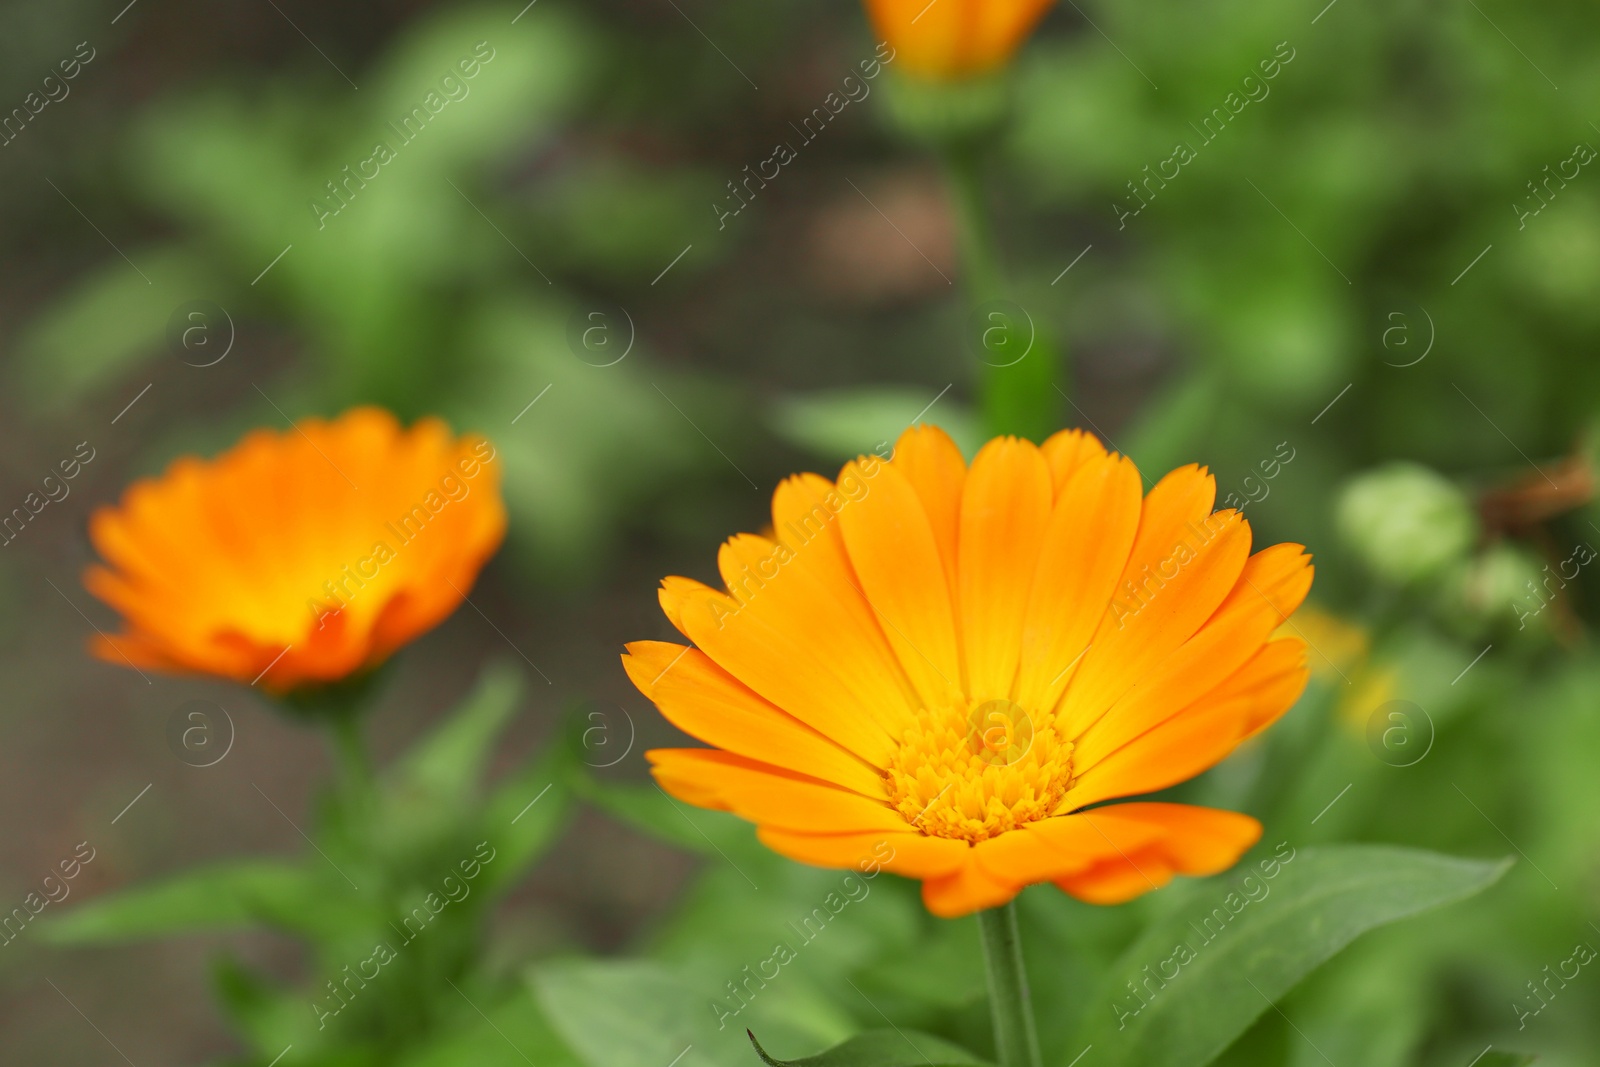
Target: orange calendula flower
{"points": [[950, 39], [940, 669], [299, 557]]}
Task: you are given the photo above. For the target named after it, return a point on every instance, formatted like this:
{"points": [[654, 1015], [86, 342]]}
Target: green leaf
{"points": [[448, 763], [846, 423], [649, 810], [107, 322], [1505, 1059], [511, 1031], [882, 1048], [635, 1013], [225, 896], [525, 814], [1223, 957]]}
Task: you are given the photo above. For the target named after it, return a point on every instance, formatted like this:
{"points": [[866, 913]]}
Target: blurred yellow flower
{"points": [[946, 671], [1336, 644], [951, 39], [1372, 688], [299, 557]]}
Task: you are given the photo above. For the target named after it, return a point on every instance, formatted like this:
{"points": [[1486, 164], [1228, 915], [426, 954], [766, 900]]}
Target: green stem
{"points": [[979, 253], [1017, 396], [352, 767], [1015, 1040]]}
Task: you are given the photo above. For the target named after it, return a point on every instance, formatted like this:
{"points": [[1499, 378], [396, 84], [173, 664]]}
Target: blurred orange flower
{"points": [[939, 669], [949, 39], [299, 557]]}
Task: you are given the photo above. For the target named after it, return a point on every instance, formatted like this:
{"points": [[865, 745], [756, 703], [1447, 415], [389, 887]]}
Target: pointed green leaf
{"points": [[636, 1013], [649, 810], [224, 896], [525, 814], [450, 761], [1200, 977], [882, 1048]]}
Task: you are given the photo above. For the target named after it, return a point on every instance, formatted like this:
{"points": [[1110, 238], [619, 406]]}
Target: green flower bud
{"points": [[1407, 522]]}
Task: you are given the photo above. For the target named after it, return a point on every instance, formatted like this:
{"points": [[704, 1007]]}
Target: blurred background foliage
{"points": [[1365, 303]]}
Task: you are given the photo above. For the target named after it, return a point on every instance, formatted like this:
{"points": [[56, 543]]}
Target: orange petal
{"points": [[1067, 452], [1005, 510], [767, 795], [896, 558], [1203, 734], [1188, 840], [954, 38], [708, 703], [779, 592], [784, 668], [912, 855], [1272, 584], [937, 472], [969, 889], [1184, 562], [1086, 547]]}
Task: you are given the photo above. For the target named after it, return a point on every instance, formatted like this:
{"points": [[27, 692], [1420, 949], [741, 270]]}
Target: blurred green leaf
{"points": [[526, 813], [449, 763], [648, 809], [510, 1031], [220, 897], [845, 423], [643, 1014], [882, 1048], [105, 324], [1321, 901]]}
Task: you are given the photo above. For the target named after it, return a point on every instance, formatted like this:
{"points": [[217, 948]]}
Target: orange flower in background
{"points": [[946, 666], [950, 39], [298, 557]]}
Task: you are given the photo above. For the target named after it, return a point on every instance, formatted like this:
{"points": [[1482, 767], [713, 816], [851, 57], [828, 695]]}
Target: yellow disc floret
{"points": [[975, 769]]}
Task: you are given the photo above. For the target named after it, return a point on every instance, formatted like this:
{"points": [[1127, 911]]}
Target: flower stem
{"points": [[1021, 375], [1015, 1040], [964, 165], [353, 770]]}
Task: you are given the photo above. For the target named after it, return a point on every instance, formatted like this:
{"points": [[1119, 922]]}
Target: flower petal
{"points": [[1272, 585], [913, 855], [779, 592], [1201, 735], [767, 795], [1184, 562], [708, 703], [1187, 840], [895, 555], [969, 889], [783, 667], [1087, 544], [934, 467], [1005, 510], [1067, 452]]}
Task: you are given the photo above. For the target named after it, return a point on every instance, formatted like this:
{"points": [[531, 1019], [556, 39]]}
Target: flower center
{"points": [[972, 770]]}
